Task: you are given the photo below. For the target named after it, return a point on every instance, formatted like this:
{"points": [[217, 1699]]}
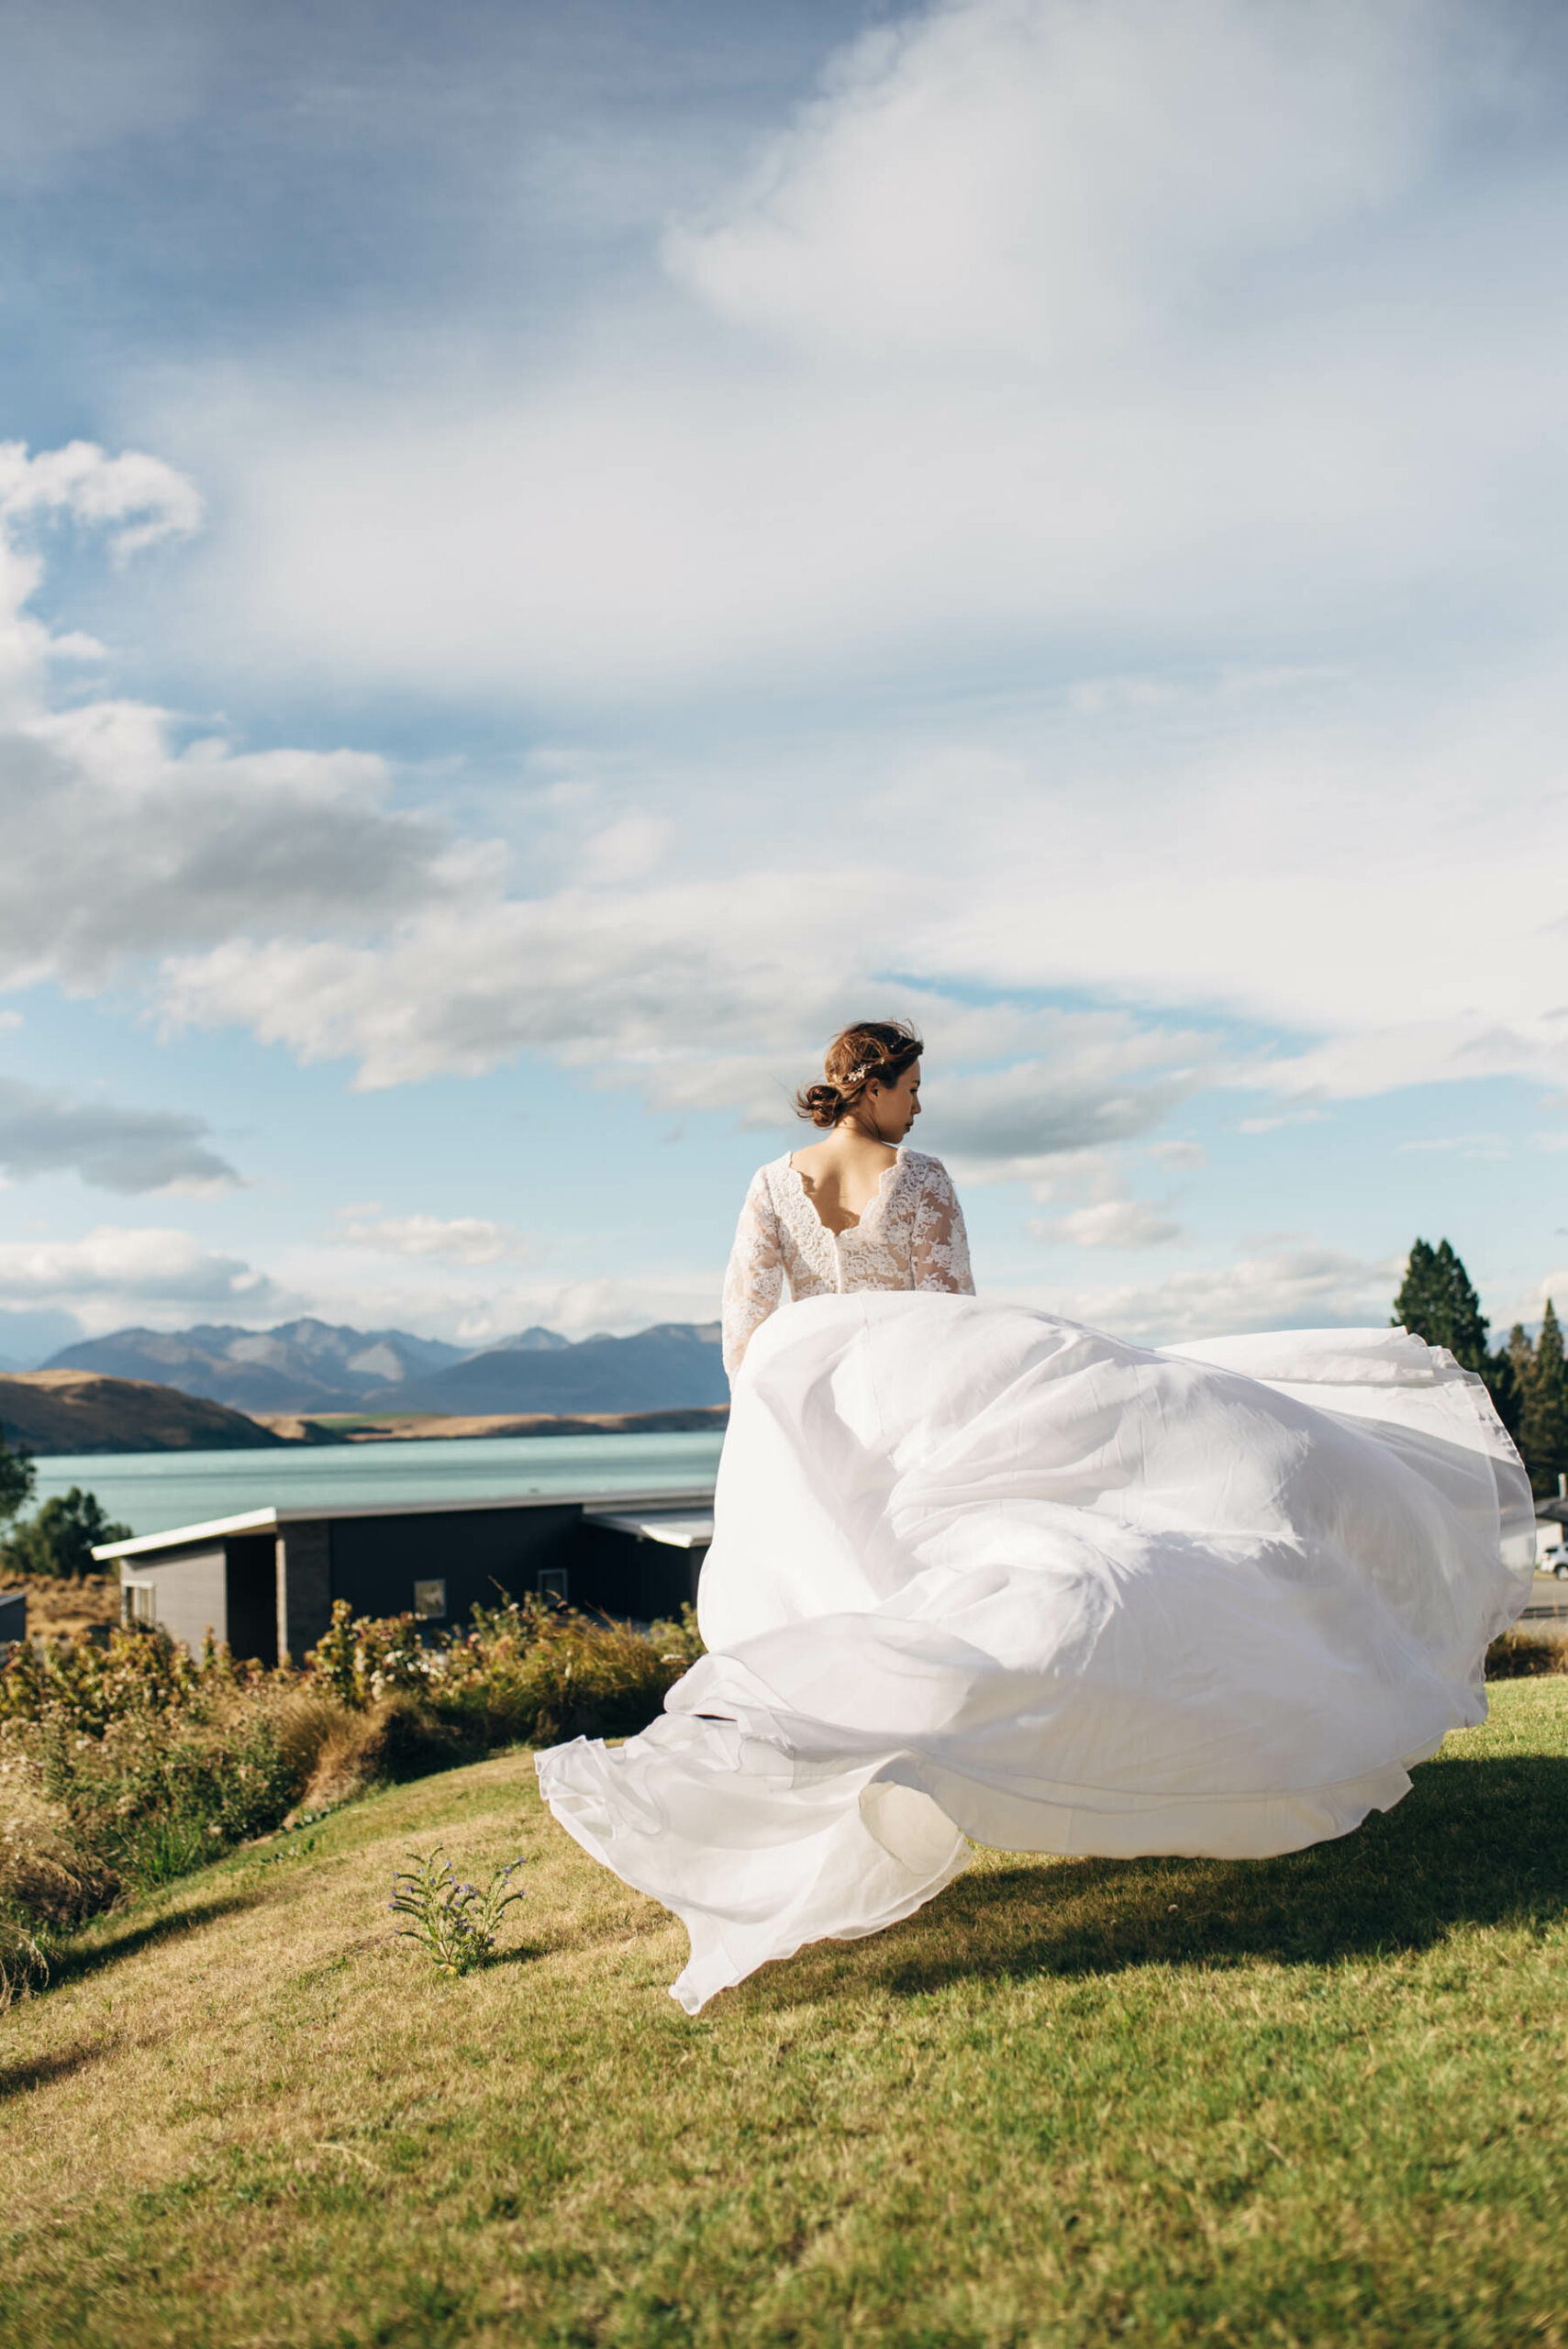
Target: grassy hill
{"points": [[80, 1411], [1317, 2100]]}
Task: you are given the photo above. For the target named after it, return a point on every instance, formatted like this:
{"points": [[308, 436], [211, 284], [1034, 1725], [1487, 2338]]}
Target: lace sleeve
{"points": [[941, 1244], [754, 1279]]}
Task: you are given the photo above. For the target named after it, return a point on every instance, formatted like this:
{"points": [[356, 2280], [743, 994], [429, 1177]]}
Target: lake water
{"points": [[150, 1491]]}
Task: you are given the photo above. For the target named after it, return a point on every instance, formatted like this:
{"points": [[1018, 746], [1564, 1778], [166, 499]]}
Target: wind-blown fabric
{"points": [[983, 1574]]}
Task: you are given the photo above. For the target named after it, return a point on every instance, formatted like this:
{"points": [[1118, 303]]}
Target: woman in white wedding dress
{"points": [[982, 1574]]}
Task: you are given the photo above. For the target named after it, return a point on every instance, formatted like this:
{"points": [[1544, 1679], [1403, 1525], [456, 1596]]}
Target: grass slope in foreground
{"points": [[1320, 2098]]}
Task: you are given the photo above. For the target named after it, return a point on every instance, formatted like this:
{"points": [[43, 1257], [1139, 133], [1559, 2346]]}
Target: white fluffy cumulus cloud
{"points": [[1036, 181], [1073, 373], [1141, 418], [1039, 318], [1287, 1288], [115, 1274], [283, 891], [123, 839], [450, 1240]]}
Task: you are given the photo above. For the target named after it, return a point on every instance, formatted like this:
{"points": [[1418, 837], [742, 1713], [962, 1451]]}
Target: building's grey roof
{"points": [[637, 1511]]}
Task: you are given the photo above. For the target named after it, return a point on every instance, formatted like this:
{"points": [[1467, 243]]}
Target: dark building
{"points": [[265, 1582]]}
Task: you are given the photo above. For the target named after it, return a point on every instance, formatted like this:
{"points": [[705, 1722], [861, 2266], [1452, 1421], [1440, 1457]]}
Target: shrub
{"points": [[131, 1763], [528, 1673], [1521, 1654], [58, 1540], [455, 1924]]}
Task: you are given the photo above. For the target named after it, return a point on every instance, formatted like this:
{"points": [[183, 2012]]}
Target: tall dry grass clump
{"points": [[1525, 1653], [127, 1765]]}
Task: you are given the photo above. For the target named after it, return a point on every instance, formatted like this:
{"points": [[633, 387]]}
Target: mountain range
{"points": [[310, 1367]]}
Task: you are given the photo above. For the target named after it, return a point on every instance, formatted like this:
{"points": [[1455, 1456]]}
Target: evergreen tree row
{"points": [[1529, 1383]]}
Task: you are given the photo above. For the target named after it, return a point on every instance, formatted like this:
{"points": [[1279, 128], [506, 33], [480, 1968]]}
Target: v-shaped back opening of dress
{"points": [[872, 1204]]}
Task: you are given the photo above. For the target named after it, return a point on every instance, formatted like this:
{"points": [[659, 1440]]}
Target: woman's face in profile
{"points": [[895, 1107]]}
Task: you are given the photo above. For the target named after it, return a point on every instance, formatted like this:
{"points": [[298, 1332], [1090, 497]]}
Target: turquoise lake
{"points": [[150, 1491]]}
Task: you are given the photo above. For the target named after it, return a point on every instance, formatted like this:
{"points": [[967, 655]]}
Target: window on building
{"points": [[138, 1603], [430, 1601]]}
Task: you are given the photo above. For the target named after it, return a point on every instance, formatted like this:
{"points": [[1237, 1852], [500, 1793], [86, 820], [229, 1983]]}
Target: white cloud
{"points": [[116, 1149], [1285, 1117], [1300, 1288], [623, 851], [453, 1239], [578, 1309], [120, 843], [1180, 1156], [1110, 1079], [138, 499], [1114, 1223], [1094, 349], [475, 1313], [1041, 322], [1483, 1146], [117, 1274], [1011, 181]]}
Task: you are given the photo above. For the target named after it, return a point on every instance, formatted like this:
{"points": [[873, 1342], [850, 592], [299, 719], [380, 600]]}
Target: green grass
{"points": [[1315, 2100]]}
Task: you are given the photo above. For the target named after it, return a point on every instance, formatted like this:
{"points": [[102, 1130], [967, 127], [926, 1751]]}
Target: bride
{"points": [[982, 1574]]}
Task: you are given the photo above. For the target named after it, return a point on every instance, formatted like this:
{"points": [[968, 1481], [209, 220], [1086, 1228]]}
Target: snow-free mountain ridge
{"points": [[310, 1366]]}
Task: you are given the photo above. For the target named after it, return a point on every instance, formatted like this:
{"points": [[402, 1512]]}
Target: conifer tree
{"points": [[16, 1479], [1437, 1301], [1543, 1431], [1503, 1384], [1521, 1353]]}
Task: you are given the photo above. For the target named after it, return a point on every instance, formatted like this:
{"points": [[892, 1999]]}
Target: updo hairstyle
{"points": [[872, 1049]]}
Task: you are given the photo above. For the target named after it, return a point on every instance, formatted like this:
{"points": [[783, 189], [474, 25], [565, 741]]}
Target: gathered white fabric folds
{"points": [[980, 1573]]}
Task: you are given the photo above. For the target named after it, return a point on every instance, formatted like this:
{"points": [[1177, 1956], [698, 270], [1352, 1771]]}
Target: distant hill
{"points": [[71, 1410], [305, 1368], [677, 1366], [299, 1366]]}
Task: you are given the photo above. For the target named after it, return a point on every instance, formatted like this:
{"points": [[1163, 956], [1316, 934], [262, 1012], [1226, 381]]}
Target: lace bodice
{"points": [[911, 1236]]}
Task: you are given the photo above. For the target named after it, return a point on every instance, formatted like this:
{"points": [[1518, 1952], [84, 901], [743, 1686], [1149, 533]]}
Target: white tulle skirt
{"points": [[981, 1574]]}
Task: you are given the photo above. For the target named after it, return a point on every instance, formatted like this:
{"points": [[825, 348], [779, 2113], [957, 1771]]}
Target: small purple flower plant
{"points": [[455, 1924]]}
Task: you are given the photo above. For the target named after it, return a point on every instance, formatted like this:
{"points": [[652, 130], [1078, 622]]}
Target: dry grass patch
{"points": [[1314, 2100]]}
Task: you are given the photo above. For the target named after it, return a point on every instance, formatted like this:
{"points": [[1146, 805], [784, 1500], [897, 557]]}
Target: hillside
{"points": [[1317, 2100], [309, 1367], [73, 1410], [675, 1366], [406, 1427], [304, 1366]]}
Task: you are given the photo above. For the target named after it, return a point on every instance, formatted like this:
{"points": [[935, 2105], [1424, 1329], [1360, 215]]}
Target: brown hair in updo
{"points": [[882, 1049]]}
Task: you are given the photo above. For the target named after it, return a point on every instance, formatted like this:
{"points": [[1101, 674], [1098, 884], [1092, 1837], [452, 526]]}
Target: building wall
{"points": [[191, 1587], [253, 1591], [483, 1556], [619, 1574], [266, 1595], [302, 1566]]}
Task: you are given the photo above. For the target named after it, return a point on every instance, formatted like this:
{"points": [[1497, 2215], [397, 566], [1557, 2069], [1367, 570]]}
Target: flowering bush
{"points": [[360, 1657], [131, 1763]]}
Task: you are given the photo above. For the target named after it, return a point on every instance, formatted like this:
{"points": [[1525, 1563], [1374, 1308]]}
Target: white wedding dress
{"points": [[983, 1574]]}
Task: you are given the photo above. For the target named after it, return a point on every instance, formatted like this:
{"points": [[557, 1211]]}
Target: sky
{"points": [[551, 556]]}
